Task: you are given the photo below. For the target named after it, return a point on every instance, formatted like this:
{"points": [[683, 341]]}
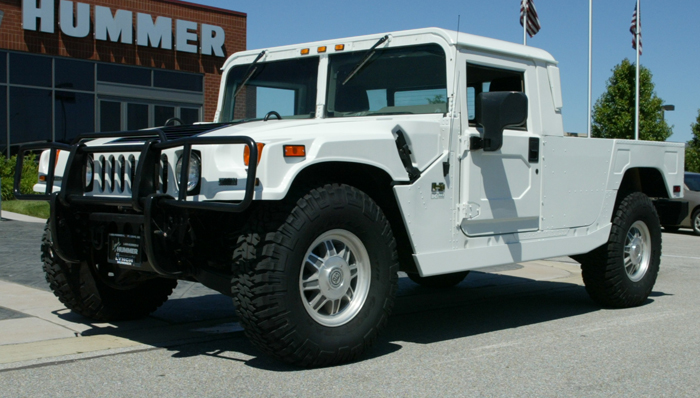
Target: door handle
{"points": [[533, 155]]}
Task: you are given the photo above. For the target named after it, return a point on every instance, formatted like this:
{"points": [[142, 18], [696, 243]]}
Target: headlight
{"points": [[89, 171], [193, 171]]}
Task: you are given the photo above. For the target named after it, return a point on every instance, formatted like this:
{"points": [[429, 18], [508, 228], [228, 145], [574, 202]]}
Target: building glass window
{"points": [[161, 114], [3, 67], [110, 116], [3, 120], [30, 70], [75, 114], [44, 98], [30, 115], [189, 115], [136, 116], [123, 74], [178, 80], [74, 75]]}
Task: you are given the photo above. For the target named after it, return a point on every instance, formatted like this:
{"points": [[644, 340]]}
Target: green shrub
{"points": [[30, 172]]}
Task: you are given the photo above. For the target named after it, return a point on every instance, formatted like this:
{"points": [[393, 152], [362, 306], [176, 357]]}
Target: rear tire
{"points": [[315, 287], [439, 281], [622, 272], [80, 288]]}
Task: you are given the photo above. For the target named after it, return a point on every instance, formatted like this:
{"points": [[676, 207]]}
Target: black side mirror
{"points": [[498, 110]]}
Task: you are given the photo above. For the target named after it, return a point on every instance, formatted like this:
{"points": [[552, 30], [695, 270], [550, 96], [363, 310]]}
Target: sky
{"points": [[670, 35]]}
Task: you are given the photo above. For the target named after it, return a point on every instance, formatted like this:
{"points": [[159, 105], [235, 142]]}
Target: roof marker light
{"points": [[304, 51], [339, 47], [322, 49]]}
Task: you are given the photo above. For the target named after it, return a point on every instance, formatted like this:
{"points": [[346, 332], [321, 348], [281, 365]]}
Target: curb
{"points": [[10, 216]]}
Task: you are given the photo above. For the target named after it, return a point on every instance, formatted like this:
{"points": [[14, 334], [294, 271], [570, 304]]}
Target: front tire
{"points": [[82, 288], [622, 273], [315, 287]]}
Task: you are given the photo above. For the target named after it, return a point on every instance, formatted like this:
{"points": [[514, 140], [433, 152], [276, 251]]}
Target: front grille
{"points": [[114, 174]]}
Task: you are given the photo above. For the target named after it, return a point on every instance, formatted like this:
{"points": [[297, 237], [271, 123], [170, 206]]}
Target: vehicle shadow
{"points": [[483, 303]]}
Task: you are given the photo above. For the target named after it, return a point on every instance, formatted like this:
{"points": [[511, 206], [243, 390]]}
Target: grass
{"points": [[32, 208]]}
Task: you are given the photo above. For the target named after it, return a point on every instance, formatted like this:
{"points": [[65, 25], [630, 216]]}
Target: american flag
{"points": [[633, 30], [533, 22]]}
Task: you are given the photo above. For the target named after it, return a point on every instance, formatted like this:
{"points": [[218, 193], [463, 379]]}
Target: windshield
{"points": [[693, 182], [287, 87], [403, 80]]}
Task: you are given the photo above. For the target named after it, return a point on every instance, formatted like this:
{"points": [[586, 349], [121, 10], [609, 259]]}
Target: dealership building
{"points": [[71, 67]]}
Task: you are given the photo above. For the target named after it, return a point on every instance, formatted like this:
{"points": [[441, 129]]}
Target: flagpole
{"points": [[526, 9], [636, 102], [590, 62]]}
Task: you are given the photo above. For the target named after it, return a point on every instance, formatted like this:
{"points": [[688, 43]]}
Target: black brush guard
{"points": [[144, 199]]}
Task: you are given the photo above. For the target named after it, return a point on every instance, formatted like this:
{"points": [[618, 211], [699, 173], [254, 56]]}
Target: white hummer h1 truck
{"points": [[329, 167]]}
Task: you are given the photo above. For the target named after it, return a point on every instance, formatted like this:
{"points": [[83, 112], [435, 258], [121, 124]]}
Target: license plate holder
{"points": [[124, 250]]}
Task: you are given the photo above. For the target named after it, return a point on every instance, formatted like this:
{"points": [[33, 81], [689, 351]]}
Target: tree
{"points": [[692, 148], [613, 113]]}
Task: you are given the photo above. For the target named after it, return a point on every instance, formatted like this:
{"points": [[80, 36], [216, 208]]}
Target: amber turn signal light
{"points": [[294, 151], [246, 153]]}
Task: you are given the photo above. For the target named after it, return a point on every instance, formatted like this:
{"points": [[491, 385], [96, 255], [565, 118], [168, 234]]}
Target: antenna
{"points": [[446, 164], [454, 81]]}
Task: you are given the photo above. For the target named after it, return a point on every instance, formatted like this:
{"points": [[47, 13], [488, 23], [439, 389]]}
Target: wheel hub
{"points": [[335, 277], [637, 251]]}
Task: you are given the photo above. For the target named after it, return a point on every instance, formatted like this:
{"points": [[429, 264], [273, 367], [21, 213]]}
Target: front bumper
{"points": [[141, 207]]}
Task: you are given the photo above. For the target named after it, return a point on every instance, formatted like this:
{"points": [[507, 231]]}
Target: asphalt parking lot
{"points": [[520, 330]]}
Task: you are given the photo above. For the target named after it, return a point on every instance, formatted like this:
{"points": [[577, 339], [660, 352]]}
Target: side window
{"points": [[483, 79]]}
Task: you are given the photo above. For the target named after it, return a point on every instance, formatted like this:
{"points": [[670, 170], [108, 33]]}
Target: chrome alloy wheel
{"points": [[637, 252], [335, 278]]}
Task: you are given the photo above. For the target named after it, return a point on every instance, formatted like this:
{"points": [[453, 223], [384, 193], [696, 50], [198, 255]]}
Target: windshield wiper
{"points": [[367, 57], [249, 73]]}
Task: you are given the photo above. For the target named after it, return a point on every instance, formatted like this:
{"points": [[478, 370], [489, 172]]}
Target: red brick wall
{"points": [[13, 37]]}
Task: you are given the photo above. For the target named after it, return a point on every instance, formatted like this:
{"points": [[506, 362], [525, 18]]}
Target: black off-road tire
{"points": [[80, 290], [622, 272], [439, 281], [270, 265]]}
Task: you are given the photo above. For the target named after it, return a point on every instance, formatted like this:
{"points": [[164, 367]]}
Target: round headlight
{"points": [[89, 169], [193, 171]]}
